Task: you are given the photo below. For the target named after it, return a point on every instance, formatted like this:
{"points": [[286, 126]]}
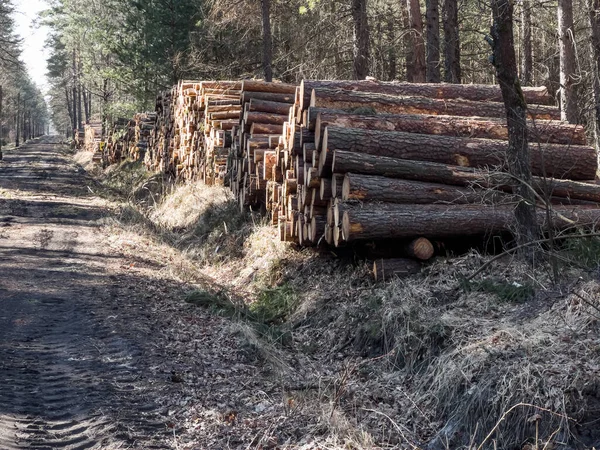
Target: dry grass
{"points": [[429, 360]]}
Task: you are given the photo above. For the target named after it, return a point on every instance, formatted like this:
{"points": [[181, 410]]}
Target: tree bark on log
{"points": [[362, 163], [268, 96], [539, 131], [387, 221], [317, 228], [257, 105], [265, 128], [387, 269], [369, 188], [573, 162], [263, 117], [265, 86], [394, 104], [473, 92]]}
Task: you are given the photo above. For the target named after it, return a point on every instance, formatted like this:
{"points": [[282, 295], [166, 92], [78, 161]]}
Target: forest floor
{"points": [[140, 315]]}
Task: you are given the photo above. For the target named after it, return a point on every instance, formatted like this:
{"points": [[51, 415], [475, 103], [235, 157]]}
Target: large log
{"points": [[386, 221], [269, 96], [382, 103], [266, 86], [263, 117], [387, 269], [344, 162], [558, 161], [369, 188], [269, 107], [475, 92], [265, 128], [552, 132]]}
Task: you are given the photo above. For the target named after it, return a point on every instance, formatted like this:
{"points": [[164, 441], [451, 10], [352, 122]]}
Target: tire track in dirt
{"points": [[73, 375]]}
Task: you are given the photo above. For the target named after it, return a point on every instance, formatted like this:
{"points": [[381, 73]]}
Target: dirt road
{"points": [[97, 348]]}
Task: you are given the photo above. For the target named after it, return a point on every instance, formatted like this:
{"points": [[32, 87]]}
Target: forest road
{"points": [[86, 360]]}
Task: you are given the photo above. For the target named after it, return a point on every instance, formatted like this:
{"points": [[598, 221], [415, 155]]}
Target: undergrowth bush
{"points": [[585, 251]]}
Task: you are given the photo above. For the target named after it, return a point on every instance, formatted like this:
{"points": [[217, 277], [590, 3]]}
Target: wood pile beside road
{"points": [[339, 162], [366, 160]]}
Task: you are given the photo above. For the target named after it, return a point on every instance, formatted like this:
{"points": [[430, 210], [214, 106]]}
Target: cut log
{"points": [[317, 228], [269, 96], [482, 93], [559, 161], [387, 269], [266, 86], [386, 221], [268, 107], [344, 162], [229, 114], [542, 131], [381, 103], [263, 117], [265, 128], [369, 188], [420, 248]]}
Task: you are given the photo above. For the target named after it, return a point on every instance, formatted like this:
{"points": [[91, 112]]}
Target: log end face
{"points": [[422, 249], [461, 160]]}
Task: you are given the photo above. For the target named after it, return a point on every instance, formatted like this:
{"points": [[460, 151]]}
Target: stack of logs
{"points": [[93, 138], [138, 135], [369, 161], [188, 139], [338, 162], [256, 176]]}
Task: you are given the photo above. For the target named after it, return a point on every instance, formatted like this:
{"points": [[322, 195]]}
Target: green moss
{"points": [[274, 305]]}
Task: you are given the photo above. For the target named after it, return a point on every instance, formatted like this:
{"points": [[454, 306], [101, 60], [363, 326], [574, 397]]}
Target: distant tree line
{"points": [[23, 112], [109, 58]]}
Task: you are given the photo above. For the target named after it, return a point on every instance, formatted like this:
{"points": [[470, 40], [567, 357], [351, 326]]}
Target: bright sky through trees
{"points": [[34, 37]]}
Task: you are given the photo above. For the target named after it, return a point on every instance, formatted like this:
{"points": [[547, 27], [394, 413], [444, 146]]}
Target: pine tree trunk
{"points": [[452, 71], [566, 47], [594, 14], [361, 39], [18, 120], [1, 121], [391, 52], [432, 18], [267, 39], [518, 157], [415, 37], [69, 110], [527, 58]]}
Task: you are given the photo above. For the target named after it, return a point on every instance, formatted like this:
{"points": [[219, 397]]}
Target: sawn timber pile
{"points": [[338, 162]]}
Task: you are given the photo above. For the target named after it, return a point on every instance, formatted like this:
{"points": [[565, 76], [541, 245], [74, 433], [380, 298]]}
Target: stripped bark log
{"points": [[574, 162]]}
